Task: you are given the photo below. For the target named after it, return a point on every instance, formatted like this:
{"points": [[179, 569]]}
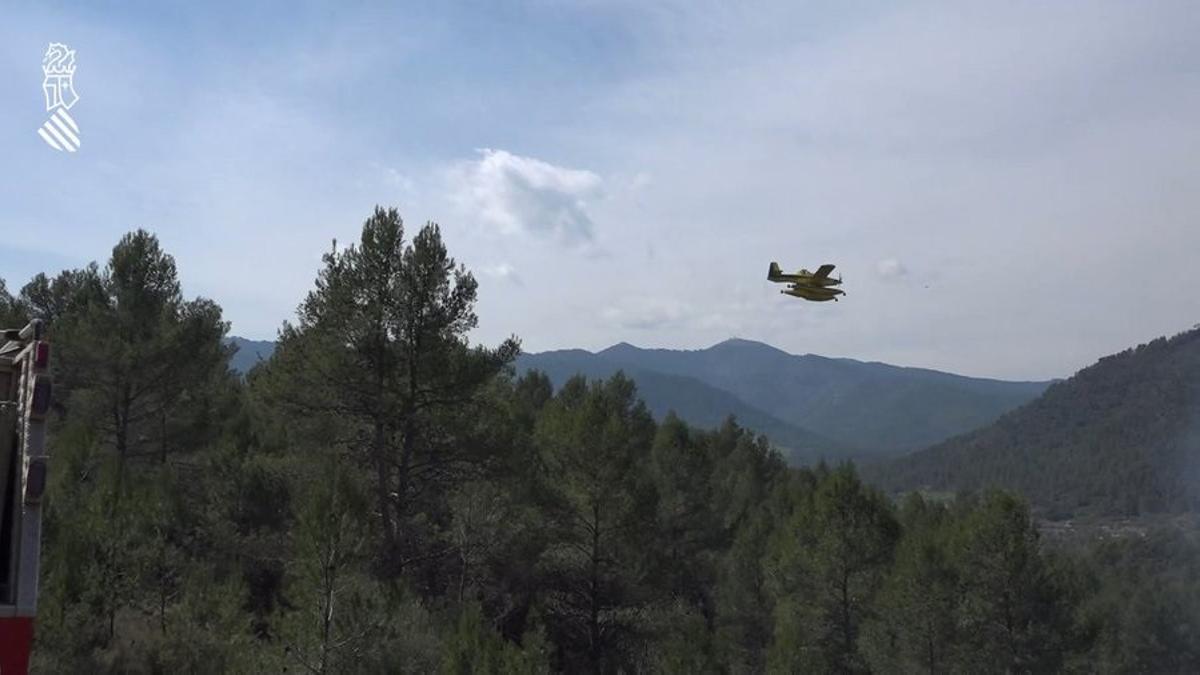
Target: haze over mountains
{"points": [[1121, 437]]}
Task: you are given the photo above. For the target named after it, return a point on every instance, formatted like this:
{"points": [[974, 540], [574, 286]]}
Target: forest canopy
{"points": [[384, 496]]}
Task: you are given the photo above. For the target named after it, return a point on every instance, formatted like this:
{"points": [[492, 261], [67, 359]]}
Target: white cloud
{"points": [[396, 179], [503, 271], [648, 313], [513, 194], [890, 268], [680, 323]]}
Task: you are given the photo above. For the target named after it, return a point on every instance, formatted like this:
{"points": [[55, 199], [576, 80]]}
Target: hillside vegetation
{"points": [[695, 402], [869, 409], [381, 495], [811, 407], [1121, 437]]}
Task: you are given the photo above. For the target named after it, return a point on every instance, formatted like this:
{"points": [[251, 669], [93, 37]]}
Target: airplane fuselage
{"points": [[806, 279]]}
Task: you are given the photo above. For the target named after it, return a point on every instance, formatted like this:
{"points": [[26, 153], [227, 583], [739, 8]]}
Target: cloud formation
{"points": [[649, 313], [502, 271], [513, 194], [890, 268]]}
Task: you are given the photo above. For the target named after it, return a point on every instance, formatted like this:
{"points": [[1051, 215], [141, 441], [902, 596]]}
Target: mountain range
{"points": [[1119, 438], [812, 407], [695, 401]]}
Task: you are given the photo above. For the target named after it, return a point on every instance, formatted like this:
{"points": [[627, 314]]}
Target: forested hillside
{"points": [[383, 496], [812, 407], [874, 408], [696, 402], [1121, 437]]}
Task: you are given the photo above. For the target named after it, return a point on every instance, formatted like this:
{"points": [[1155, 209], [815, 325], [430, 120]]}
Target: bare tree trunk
{"points": [[329, 579], [847, 628], [382, 483], [594, 619], [162, 584], [121, 437]]}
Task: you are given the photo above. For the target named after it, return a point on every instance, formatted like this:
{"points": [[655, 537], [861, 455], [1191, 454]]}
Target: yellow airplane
{"points": [[817, 287]]}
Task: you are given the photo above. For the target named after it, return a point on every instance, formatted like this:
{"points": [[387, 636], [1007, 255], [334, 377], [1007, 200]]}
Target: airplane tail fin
{"points": [[773, 272]]}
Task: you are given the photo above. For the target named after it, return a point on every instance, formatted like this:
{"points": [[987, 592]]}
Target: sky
{"points": [[1009, 189]]}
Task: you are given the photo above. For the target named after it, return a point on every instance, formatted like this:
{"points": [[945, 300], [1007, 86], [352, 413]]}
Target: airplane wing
{"points": [[823, 271]]}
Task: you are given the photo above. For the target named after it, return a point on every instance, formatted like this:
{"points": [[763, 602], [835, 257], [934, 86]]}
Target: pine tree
{"points": [[826, 566], [593, 441], [12, 315], [143, 370], [1010, 617], [380, 350], [916, 626]]}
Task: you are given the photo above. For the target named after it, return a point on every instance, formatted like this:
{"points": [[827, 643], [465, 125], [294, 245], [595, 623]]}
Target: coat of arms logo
{"points": [[58, 66]]}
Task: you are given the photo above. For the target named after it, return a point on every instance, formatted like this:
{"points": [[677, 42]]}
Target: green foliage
{"points": [[591, 440], [141, 374], [12, 314], [69, 292], [338, 609], [812, 405], [824, 568], [382, 496], [1008, 613], [683, 641], [917, 628], [380, 363], [476, 648], [698, 402], [1141, 599], [1117, 439]]}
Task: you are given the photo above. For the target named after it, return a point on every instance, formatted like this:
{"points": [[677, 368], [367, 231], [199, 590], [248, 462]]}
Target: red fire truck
{"points": [[24, 403]]}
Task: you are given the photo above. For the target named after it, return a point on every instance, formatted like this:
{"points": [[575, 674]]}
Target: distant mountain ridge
{"points": [[694, 401], [1121, 437], [869, 409], [249, 352], [811, 406]]}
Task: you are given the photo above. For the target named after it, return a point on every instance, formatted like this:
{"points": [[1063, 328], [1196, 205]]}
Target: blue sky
{"points": [[1009, 189]]}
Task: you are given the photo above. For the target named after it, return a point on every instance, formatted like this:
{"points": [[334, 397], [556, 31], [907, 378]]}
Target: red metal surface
{"points": [[16, 636]]}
